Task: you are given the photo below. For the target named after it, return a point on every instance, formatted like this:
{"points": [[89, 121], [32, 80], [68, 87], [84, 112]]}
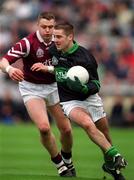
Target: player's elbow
{"points": [[93, 91]]}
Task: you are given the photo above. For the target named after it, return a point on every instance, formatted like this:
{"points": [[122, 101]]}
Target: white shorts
{"points": [[48, 92], [93, 105]]}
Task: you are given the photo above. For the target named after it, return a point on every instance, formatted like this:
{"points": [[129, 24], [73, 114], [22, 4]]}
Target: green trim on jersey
{"points": [[61, 74], [97, 83], [72, 49]]}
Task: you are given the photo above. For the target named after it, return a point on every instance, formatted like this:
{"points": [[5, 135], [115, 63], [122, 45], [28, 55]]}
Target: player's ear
{"points": [[70, 36], [54, 22]]}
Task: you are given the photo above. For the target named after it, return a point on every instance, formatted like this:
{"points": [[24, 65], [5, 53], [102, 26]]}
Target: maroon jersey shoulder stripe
{"points": [[19, 50], [31, 50]]}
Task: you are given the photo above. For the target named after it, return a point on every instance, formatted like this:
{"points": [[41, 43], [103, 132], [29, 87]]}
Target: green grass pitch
{"points": [[22, 157]]}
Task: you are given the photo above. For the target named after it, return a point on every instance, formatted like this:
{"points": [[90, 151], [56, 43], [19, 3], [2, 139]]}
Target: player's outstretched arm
{"points": [[14, 73]]}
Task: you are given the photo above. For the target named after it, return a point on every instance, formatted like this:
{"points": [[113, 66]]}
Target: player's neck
{"points": [[47, 41], [68, 47]]}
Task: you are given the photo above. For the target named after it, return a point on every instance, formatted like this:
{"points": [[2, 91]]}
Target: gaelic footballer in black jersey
{"points": [[77, 55]]}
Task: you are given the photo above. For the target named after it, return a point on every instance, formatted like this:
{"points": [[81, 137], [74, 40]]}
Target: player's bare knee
{"points": [[66, 131], [44, 129], [90, 128], [87, 125]]}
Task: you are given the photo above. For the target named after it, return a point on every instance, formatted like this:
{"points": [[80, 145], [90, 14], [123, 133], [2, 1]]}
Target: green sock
{"points": [[109, 156]]}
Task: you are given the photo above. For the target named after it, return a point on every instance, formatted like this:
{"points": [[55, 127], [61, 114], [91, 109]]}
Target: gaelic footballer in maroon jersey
{"points": [[39, 90], [32, 49]]}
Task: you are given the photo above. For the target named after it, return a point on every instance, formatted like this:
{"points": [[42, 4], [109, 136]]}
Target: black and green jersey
{"points": [[77, 55]]}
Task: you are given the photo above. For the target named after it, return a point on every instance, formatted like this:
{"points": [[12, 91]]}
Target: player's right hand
{"points": [[39, 67], [76, 85], [16, 74]]}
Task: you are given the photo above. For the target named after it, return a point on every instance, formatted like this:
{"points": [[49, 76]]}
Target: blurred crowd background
{"points": [[106, 27]]}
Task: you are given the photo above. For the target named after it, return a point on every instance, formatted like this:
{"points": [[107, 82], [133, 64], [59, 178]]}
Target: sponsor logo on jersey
{"points": [[39, 52], [48, 62], [61, 74], [54, 61]]}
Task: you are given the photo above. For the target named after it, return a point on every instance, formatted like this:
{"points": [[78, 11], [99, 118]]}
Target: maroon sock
{"points": [[57, 159]]}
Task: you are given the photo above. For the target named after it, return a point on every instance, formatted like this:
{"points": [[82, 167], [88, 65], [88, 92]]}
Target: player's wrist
{"points": [[50, 69], [85, 89], [7, 69]]}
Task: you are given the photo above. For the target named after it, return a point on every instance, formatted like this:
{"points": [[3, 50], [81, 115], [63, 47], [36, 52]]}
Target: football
{"points": [[79, 72]]}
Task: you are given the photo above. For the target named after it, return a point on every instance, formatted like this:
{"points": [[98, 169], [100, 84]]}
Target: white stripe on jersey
{"points": [[27, 45], [18, 52], [12, 54]]}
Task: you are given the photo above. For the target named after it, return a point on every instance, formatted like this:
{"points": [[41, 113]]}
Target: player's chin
{"points": [[58, 47], [47, 37]]}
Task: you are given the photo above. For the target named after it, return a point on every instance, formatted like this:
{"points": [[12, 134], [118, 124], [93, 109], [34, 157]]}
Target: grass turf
{"points": [[22, 157]]}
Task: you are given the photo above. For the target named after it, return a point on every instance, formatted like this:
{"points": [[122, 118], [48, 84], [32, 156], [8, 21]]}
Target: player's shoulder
{"points": [[31, 37], [84, 50], [87, 54], [27, 40]]}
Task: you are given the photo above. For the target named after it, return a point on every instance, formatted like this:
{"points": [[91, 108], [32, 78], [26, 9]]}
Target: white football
{"points": [[79, 72]]}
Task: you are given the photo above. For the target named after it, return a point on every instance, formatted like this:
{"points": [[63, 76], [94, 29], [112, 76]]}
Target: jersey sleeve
{"points": [[93, 83], [93, 87], [19, 50]]}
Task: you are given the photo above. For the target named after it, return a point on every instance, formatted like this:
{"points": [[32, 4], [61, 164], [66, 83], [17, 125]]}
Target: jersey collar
{"points": [[41, 39], [72, 49]]}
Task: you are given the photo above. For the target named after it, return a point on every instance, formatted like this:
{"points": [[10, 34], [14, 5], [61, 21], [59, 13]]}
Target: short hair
{"points": [[46, 15], [66, 26]]}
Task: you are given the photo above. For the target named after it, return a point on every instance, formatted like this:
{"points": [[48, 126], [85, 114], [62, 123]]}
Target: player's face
{"points": [[46, 28], [62, 41]]}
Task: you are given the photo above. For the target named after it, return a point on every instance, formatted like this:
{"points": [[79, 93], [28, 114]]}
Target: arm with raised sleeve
{"points": [[93, 85], [91, 88], [19, 50]]}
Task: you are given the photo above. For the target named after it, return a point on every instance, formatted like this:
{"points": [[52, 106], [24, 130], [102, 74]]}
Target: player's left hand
{"points": [[76, 85]]}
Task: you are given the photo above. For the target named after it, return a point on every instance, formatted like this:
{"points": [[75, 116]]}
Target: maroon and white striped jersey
{"points": [[32, 49]]}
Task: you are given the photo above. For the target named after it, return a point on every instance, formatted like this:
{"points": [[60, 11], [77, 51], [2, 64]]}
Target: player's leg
{"points": [[102, 125], [117, 162], [64, 127], [113, 160], [76, 111], [96, 113], [37, 111], [83, 119], [36, 108]]}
